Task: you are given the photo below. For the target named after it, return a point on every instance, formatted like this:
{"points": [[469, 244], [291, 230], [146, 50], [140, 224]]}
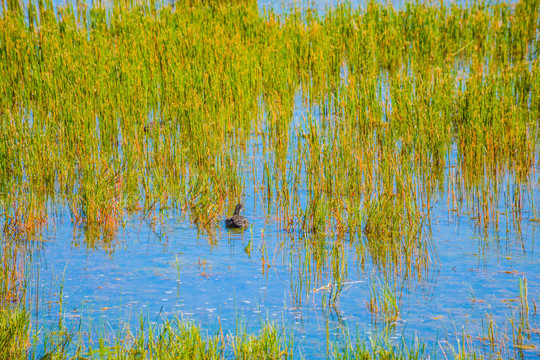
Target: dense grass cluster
{"points": [[394, 90], [133, 108]]}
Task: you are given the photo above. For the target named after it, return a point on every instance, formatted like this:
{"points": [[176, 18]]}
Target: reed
{"points": [[12, 274], [81, 116], [380, 346], [14, 332], [122, 109]]}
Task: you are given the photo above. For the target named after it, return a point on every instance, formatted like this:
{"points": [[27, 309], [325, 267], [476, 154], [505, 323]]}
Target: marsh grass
{"points": [[508, 336], [14, 332], [13, 271], [270, 343], [76, 123], [174, 339], [381, 346], [388, 100], [385, 301], [403, 107]]}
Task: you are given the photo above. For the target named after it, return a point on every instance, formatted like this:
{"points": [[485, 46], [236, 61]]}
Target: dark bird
{"points": [[237, 220]]}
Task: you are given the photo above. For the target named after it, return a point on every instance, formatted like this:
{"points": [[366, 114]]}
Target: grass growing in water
{"points": [[395, 98], [80, 85]]}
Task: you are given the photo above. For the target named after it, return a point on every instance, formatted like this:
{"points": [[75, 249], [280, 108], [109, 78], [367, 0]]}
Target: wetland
{"points": [[386, 158]]}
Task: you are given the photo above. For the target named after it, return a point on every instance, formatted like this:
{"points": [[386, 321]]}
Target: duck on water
{"points": [[237, 221]]}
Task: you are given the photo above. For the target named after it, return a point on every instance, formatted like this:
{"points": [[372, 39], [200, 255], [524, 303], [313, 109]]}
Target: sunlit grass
{"points": [[135, 109], [14, 332]]}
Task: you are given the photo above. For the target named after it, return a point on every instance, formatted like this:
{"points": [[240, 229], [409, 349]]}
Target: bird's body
{"points": [[237, 221]]}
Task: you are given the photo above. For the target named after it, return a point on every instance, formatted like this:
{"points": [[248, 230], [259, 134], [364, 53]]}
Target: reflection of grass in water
{"points": [[12, 275]]}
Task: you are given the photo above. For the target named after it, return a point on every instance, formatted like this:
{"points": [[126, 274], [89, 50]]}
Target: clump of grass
{"points": [[14, 332], [270, 343], [381, 346], [180, 339], [384, 302], [175, 340]]}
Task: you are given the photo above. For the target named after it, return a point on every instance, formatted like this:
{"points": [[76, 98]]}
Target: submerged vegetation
{"points": [[126, 109]]}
